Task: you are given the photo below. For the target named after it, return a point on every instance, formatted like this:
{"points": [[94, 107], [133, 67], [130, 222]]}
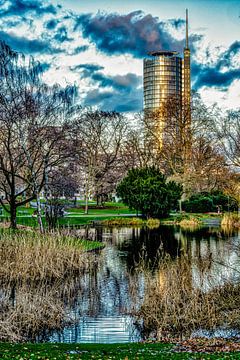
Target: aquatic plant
{"points": [[124, 221], [175, 306], [33, 256], [230, 220], [191, 223]]}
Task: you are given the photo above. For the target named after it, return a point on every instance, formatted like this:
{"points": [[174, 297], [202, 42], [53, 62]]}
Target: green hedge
{"points": [[209, 202]]}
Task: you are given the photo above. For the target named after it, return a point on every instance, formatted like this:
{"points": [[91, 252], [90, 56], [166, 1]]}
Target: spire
{"points": [[186, 29]]}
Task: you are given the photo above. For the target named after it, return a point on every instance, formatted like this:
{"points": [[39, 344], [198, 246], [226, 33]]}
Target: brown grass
{"points": [[230, 220], [37, 275], [190, 224], [151, 223], [28, 312], [31, 256], [174, 307]]}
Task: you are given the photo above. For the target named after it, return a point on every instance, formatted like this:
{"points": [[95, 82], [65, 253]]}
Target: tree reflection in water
{"points": [[117, 286], [101, 302]]}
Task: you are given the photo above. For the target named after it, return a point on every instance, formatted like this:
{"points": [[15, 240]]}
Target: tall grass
{"points": [[37, 275], [134, 221], [28, 313], [29, 255], [174, 306], [191, 223], [230, 220]]}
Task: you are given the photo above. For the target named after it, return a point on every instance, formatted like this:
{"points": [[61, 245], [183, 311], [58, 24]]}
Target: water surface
{"points": [[115, 288]]}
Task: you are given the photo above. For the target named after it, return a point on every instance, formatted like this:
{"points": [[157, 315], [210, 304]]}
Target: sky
{"points": [[99, 45]]}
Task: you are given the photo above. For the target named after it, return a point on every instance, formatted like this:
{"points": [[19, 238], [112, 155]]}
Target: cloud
{"points": [[80, 49], [226, 57], [51, 24], [124, 83], [123, 93], [177, 23], [44, 67], [134, 33], [221, 73], [27, 46], [62, 35], [114, 101], [212, 77], [89, 67], [21, 7]]}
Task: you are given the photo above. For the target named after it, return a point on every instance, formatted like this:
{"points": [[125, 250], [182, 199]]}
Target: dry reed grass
{"points": [[28, 312], [230, 220], [123, 221], [190, 224], [151, 223], [174, 306], [37, 282], [32, 256]]}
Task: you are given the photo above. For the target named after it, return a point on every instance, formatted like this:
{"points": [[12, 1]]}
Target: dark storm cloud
{"points": [[44, 67], [27, 46], [89, 67], [21, 7], [126, 94], [114, 101], [214, 75], [177, 23], [62, 35], [51, 24], [119, 82], [80, 49], [94, 97], [124, 83], [225, 58], [134, 33]]}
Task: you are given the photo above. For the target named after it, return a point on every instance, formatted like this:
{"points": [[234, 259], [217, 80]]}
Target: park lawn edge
{"points": [[84, 244], [102, 351]]}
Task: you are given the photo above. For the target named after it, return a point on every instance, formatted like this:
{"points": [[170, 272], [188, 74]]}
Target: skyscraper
{"points": [[167, 79]]}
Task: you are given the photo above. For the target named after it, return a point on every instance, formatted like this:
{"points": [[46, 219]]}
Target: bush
{"points": [[209, 202], [147, 191]]}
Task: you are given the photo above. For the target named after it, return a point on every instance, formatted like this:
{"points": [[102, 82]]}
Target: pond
{"points": [[115, 289]]}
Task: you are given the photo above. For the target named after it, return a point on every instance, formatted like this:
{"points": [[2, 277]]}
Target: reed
{"points": [[124, 221], [175, 306], [29, 255], [29, 312], [153, 223], [191, 223], [230, 220]]}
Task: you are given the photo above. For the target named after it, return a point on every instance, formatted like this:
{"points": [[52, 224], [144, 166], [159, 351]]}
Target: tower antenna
{"points": [[186, 28]]}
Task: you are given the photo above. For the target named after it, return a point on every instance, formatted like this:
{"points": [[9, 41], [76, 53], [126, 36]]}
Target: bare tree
{"points": [[185, 145], [226, 129], [100, 137], [33, 125]]}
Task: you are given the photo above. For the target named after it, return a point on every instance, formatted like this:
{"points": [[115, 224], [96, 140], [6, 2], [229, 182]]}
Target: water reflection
{"points": [[116, 286]]}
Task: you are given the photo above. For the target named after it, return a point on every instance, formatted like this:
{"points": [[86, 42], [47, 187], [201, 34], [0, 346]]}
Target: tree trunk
{"points": [[39, 216], [86, 204], [13, 215], [97, 198], [86, 198]]}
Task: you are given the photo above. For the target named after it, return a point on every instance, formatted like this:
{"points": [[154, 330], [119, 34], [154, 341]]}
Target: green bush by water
{"points": [[209, 202]]}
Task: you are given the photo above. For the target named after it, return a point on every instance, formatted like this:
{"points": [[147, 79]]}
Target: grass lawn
{"points": [[102, 351], [77, 217]]}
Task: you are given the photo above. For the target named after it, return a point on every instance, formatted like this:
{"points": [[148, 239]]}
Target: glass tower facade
{"points": [[167, 85], [163, 75]]}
